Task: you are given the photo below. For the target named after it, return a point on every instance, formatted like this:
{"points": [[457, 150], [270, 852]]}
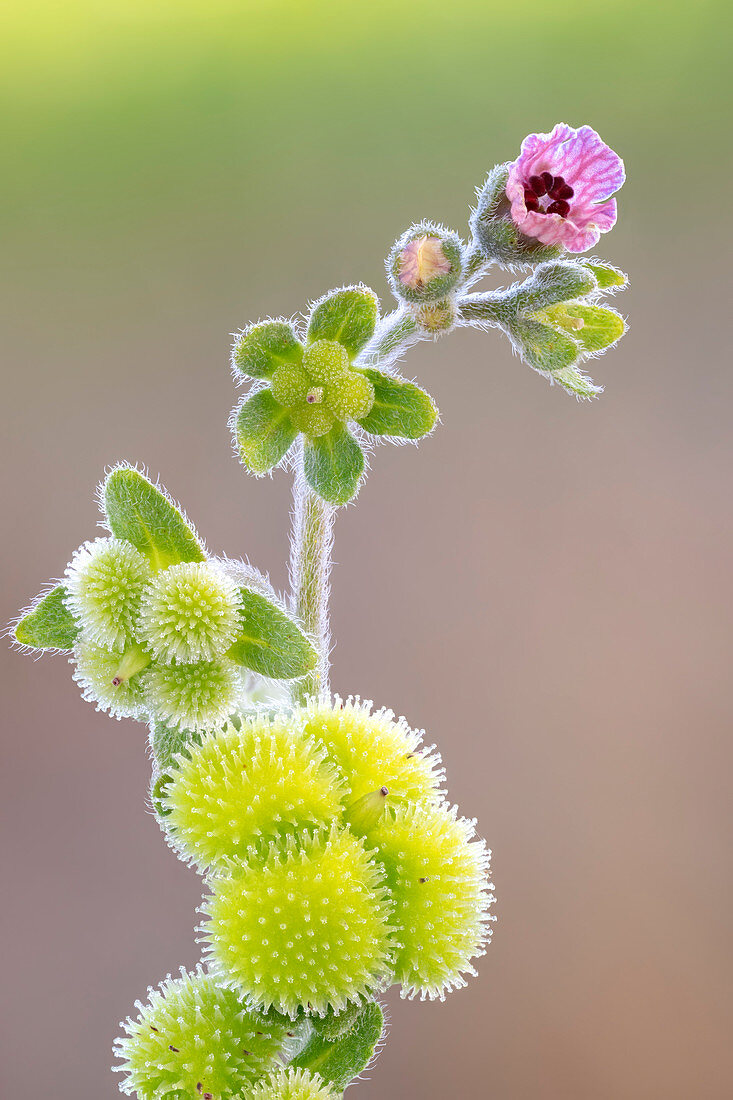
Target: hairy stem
{"points": [[310, 570]]}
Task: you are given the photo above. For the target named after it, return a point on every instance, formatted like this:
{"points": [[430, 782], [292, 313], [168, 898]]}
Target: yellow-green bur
{"points": [[304, 926], [104, 583], [190, 612], [238, 787], [195, 1039], [193, 697], [294, 1084], [375, 750], [438, 877], [95, 670]]}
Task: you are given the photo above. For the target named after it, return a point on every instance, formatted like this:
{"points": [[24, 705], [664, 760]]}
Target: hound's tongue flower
{"points": [[560, 186]]}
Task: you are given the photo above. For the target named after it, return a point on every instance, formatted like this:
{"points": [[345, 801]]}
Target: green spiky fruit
{"points": [[306, 924], [375, 750], [240, 786], [194, 1039], [294, 1084], [115, 682], [190, 612], [104, 582], [438, 877], [193, 697]]}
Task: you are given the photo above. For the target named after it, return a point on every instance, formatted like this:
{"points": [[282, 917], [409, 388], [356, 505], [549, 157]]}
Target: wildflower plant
{"points": [[333, 864]]}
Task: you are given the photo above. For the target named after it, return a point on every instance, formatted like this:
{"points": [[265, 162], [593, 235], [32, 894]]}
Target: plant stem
{"points": [[310, 570]]}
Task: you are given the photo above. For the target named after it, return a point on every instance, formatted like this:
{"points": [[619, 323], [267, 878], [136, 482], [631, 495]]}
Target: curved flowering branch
{"points": [[334, 864]]}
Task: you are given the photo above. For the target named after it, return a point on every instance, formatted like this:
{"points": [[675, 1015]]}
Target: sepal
{"points": [[608, 277], [400, 408], [495, 232], [264, 432], [333, 465], [260, 349], [139, 512], [48, 624], [347, 316]]}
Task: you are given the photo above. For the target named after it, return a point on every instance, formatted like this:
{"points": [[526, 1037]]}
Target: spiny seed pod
{"points": [[195, 1039], [375, 750], [304, 924], [104, 583], [114, 681], [193, 697], [438, 877], [237, 787], [426, 263], [190, 612], [294, 1084]]}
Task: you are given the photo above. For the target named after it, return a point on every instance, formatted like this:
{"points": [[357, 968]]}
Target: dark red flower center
{"points": [[548, 194]]}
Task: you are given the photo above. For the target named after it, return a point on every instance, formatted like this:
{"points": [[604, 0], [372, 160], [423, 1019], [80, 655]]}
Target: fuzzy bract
{"points": [[560, 187], [237, 787], [195, 1039], [104, 584], [303, 924], [374, 749], [438, 879]]}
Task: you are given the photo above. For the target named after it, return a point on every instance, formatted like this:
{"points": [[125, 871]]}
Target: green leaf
{"points": [[400, 408], [544, 348], [269, 642], [49, 624], [264, 432], [594, 327], [333, 465], [606, 275], [143, 515], [348, 316], [341, 1061], [262, 348]]}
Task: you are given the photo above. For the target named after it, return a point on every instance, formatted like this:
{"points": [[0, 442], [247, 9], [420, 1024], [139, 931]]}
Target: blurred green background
{"points": [[544, 585]]}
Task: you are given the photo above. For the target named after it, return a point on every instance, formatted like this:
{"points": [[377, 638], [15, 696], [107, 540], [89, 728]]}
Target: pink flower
{"points": [[421, 260], [560, 184]]}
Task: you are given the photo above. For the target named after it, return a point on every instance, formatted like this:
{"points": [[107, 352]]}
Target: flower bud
{"points": [[104, 584], [304, 926], [195, 1039], [426, 263]]}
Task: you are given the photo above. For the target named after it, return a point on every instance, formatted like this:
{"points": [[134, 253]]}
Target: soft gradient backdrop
{"points": [[545, 586]]}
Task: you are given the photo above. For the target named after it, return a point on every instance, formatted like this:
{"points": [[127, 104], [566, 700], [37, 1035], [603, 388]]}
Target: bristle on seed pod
{"points": [[194, 697], [373, 750], [104, 584], [115, 682], [195, 1039], [438, 878], [189, 612], [237, 787], [304, 925], [294, 1084]]}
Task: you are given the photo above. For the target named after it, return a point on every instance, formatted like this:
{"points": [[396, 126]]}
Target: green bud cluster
{"points": [[155, 629], [333, 862]]}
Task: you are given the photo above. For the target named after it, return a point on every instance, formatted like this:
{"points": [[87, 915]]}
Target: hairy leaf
{"points": [[333, 465], [49, 624], [400, 408], [264, 432], [348, 316], [139, 512], [269, 642], [264, 347]]}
